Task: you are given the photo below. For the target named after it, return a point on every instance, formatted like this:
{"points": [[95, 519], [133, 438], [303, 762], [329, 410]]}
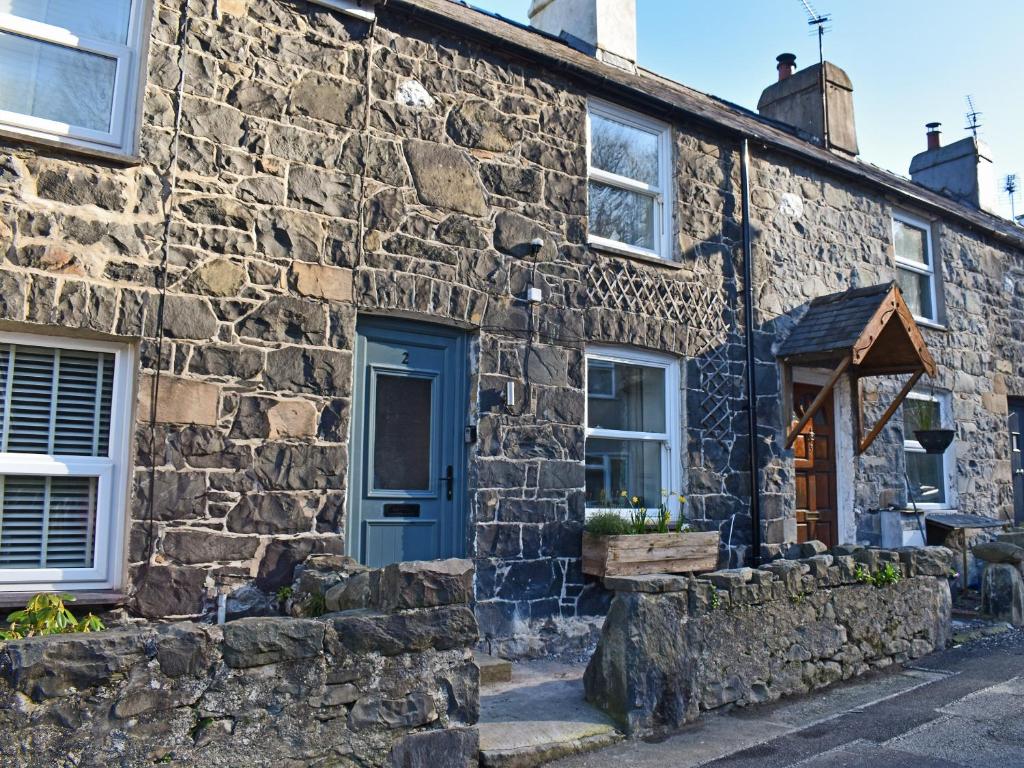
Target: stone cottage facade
{"points": [[353, 280]]}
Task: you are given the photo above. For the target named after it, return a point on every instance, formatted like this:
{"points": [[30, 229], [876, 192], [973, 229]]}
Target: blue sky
{"points": [[911, 62]]}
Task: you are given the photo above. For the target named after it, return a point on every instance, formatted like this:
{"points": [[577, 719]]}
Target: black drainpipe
{"points": [[748, 333]]}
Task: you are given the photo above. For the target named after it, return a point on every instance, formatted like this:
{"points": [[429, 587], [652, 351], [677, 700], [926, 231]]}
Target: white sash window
{"points": [[629, 166], [69, 70], [63, 411], [633, 430], [915, 265]]}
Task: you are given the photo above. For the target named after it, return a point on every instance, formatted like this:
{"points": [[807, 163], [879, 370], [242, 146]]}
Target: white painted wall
{"points": [[610, 25]]}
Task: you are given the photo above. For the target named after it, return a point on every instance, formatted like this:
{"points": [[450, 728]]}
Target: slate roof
{"points": [[835, 322]]}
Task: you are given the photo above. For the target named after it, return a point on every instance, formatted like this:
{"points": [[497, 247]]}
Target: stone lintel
{"points": [[322, 282]]}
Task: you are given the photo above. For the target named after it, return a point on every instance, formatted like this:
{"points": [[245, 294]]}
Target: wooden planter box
{"points": [[649, 553]]}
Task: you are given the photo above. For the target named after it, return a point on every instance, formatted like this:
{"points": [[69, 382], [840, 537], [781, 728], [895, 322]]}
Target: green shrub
{"points": [[608, 524], [46, 614], [888, 574], [861, 574]]}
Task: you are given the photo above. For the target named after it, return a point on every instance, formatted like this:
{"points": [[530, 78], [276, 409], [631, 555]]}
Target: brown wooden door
{"points": [[815, 465]]}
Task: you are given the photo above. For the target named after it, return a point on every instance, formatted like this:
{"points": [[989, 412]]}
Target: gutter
{"points": [[654, 94], [748, 337]]}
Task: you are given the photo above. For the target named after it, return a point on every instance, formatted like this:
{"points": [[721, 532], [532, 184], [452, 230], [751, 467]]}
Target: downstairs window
{"points": [[62, 465], [632, 436], [930, 474]]}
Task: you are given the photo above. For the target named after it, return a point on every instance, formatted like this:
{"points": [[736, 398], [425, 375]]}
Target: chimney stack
{"points": [[786, 65], [962, 171], [796, 100], [605, 29]]}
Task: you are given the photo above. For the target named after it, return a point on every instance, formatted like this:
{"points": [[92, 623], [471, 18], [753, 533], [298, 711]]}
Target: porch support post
{"points": [[818, 401], [867, 441]]}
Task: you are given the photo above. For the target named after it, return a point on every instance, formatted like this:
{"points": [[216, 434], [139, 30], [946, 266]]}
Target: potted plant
{"points": [[928, 430], [626, 542]]}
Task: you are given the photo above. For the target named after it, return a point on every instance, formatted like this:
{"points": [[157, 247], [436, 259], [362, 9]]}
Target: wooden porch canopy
{"points": [[863, 331]]}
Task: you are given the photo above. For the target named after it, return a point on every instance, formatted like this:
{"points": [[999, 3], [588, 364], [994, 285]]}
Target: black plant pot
{"points": [[935, 440]]}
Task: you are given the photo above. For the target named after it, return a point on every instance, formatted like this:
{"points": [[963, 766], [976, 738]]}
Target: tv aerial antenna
{"points": [[1010, 188], [972, 117], [819, 25]]}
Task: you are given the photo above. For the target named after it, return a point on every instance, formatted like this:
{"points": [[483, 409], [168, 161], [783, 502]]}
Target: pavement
{"points": [[960, 707], [538, 716]]}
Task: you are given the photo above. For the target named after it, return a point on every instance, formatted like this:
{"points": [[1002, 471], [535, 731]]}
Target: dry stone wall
{"points": [[393, 684], [672, 648]]}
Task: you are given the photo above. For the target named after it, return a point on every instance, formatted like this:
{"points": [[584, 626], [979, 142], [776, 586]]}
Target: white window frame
{"points": [[662, 193], [126, 92], [361, 9], [910, 445], [908, 265], [671, 439], [110, 470]]}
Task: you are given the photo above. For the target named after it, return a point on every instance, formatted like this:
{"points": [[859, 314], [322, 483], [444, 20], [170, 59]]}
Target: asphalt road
{"points": [[959, 707]]}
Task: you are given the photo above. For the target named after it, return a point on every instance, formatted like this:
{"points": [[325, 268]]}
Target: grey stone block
{"points": [[258, 641]]}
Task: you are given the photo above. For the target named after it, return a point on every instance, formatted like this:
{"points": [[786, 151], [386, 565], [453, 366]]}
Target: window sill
{"points": [[101, 599], [622, 251], [33, 141], [933, 324], [352, 8]]}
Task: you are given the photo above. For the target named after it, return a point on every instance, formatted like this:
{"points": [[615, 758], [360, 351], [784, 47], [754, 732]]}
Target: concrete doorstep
{"points": [[538, 716]]}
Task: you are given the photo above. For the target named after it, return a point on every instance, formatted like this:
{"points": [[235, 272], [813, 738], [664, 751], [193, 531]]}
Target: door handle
{"points": [[449, 479]]}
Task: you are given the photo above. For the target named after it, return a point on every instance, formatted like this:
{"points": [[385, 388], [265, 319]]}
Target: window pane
{"points": [[911, 242], [622, 215], [55, 401], [56, 83], [927, 485], [401, 433], [635, 399], [617, 466], [917, 291], [47, 522], [97, 19], [920, 414], [624, 150]]}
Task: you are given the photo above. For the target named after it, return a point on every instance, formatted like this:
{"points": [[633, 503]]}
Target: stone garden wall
{"points": [[393, 685], [672, 647]]}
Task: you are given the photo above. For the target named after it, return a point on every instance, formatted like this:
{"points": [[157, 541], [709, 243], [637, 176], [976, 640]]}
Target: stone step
{"points": [[538, 716], [493, 669]]}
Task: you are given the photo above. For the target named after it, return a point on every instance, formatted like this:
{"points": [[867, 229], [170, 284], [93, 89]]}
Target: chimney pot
{"points": [[786, 65], [933, 135]]}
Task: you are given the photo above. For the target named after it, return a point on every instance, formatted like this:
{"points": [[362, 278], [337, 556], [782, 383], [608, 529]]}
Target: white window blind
{"points": [[57, 466]]}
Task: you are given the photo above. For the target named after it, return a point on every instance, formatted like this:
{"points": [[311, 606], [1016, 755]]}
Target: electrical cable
{"points": [[166, 194]]}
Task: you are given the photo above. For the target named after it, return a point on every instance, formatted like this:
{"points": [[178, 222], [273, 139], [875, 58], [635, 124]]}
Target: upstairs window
{"points": [[629, 169], [930, 474], [69, 70], [915, 265], [632, 439], [62, 464]]}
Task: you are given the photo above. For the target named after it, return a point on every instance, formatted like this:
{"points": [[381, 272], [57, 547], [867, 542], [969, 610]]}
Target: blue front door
{"points": [[409, 414]]}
